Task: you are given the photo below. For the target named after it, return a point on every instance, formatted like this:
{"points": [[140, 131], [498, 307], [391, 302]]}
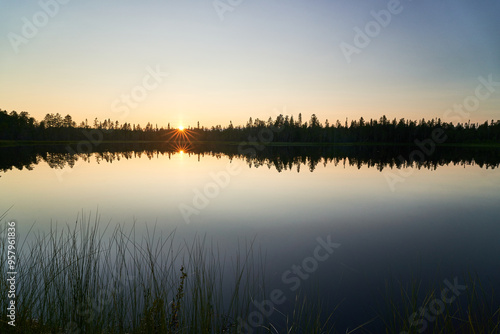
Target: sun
{"points": [[181, 134]]}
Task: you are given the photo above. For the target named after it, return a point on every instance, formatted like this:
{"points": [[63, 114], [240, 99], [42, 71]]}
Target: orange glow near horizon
{"points": [[182, 134], [182, 148]]}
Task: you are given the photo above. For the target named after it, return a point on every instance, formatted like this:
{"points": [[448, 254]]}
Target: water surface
{"points": [[438, 221]]}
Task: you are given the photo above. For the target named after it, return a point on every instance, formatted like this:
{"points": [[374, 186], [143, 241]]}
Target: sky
{"points": [[181, 62]]}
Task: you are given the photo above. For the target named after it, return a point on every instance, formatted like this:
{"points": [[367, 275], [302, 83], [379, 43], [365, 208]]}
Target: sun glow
{"points": [[181, 134]]}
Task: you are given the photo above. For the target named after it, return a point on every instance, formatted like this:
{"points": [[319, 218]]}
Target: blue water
{"points": [[432, 225]]}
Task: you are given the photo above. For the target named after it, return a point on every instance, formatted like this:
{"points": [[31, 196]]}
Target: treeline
{"points": [[285, 129]]}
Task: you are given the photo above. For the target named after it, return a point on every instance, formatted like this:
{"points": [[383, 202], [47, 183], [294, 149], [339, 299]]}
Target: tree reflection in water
{"points": [[279, 157]]}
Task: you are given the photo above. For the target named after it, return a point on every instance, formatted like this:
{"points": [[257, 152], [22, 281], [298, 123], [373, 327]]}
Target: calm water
{"points": [[431, 220]]}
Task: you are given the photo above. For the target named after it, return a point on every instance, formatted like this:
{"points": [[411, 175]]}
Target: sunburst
{"points": [[181, 134], [182, 147]]}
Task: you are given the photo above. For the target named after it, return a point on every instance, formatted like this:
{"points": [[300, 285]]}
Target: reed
{"points": [[76, 280], [412, 308]]}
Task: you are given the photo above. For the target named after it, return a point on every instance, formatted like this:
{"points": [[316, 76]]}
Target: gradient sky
{"points": [[264, 58]]}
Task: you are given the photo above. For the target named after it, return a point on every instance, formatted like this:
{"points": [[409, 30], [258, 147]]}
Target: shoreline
{"points": [[15, 143]]}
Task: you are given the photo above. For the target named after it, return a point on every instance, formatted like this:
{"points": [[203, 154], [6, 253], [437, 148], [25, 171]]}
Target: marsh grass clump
{"points": [[155, 318], [456, 305], [88, 279]]}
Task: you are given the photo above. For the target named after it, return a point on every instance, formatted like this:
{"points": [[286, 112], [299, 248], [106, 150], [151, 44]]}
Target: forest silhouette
{"points": [[282, 129]]}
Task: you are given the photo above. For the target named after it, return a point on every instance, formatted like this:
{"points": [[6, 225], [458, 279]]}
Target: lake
{"points": [[336, 222]]}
